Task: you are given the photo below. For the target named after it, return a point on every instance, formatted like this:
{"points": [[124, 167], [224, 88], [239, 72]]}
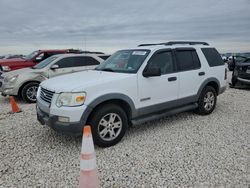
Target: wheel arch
{"points": [[121, 100], [24, 84], [213, 82]]}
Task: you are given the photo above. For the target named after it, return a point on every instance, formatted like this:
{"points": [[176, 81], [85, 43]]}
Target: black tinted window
{"points": [[164, 61], [77, 62], [88, 61], [104, 57], [212, 56], [187, 60], [66, 62], [85, 61]]}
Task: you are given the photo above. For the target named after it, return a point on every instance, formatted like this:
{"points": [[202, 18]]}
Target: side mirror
{"points": [[54, 67], [39, 58], [151, 72]]}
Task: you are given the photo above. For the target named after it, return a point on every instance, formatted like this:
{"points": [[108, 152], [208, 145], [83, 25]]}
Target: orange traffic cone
{"points": [[88, 169], [14, 107]]}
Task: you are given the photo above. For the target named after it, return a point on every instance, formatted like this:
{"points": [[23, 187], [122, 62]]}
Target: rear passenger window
{"points": [[66, 62], [212, 56], [187, 60], [164, 61], [85, 61], [104, 57]]}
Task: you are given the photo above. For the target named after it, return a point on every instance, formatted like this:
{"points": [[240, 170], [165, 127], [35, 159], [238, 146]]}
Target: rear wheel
{"points": [[29, 92], [109, 124], [207, 101]]}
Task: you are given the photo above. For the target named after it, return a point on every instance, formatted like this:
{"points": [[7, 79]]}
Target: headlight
{"points": [[11, 79], [6, 68], [70, 99]]}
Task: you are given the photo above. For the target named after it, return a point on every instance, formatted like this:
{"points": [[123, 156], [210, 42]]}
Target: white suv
{"points": [[131, 87]]}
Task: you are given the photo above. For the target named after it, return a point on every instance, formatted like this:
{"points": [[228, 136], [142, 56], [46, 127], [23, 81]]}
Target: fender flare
{"points": [[204, 83], [107, 97]]}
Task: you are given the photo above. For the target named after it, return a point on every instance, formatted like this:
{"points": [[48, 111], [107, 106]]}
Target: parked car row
{"points": [[24, 82]]}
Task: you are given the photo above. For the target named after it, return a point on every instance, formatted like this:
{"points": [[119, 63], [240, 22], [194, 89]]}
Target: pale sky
{"points": [[110, 25]]}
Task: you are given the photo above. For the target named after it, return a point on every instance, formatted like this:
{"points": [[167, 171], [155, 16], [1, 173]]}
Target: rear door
{"points": [[85, 63], [191, 74], [65, 66]]}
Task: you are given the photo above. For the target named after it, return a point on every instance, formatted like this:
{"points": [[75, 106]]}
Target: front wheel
{"points": [[207, 101], [29, 92], [109, 123]]}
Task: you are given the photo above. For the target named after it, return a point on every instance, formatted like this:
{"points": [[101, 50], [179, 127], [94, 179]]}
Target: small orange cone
{"points": [[88, 169], [14, 107]]}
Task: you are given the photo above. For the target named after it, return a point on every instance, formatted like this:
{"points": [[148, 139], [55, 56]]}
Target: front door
{"points": [[160, 92]]}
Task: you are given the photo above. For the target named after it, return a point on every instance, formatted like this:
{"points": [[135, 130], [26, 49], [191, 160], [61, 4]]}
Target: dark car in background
{"points": [[240, 66]]}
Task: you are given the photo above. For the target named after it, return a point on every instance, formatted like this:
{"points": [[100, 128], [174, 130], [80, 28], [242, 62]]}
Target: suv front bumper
{"points": [[70, 128]]}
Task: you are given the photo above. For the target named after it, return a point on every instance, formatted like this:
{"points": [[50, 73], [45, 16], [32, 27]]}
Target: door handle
{"points": [[201, 73], [171, 79]]}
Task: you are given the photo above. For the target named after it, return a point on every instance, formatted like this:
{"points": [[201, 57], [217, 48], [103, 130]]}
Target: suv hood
{"points": [[77, 82], [10, 62]]}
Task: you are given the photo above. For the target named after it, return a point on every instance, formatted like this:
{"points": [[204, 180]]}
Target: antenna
{"points": [[85, 42]]}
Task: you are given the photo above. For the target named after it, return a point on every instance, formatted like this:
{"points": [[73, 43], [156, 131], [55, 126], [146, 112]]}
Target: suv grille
{"points": [[46, 95]]}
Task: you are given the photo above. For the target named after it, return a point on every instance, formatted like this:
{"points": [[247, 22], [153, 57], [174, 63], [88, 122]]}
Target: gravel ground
{"points": [[185, 150]]}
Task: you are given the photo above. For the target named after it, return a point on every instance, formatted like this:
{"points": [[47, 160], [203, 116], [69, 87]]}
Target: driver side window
{"points": [[164, 61]]}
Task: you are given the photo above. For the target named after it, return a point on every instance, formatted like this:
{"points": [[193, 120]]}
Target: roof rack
{"points": [[83, 52], [151, 44], [186, 42], [176, 42]]}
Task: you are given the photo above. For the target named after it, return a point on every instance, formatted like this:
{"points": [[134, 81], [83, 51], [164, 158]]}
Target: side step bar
{"points": [[152, 117]]}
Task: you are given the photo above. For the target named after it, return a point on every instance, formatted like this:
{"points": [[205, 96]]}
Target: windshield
{"points": [[44, 63], [126, 61], [32, 55]]}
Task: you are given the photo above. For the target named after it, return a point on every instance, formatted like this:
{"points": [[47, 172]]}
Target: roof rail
{"points": [[151, 44], [90, 52], [83, 52], [176, 42], [186, 42]]}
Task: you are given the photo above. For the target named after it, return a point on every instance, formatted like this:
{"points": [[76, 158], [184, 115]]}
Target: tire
{"points": [[29, 91], [209, 94], [102, 130]]}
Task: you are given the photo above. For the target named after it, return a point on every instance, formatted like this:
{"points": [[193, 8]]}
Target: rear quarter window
{"points": [[213, 57]]}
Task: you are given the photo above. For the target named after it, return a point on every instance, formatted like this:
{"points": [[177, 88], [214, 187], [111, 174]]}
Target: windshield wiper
{"points": [[107, 69]]}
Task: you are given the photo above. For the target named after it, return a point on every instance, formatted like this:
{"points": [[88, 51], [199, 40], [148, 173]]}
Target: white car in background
{"points": [[25, 82]]}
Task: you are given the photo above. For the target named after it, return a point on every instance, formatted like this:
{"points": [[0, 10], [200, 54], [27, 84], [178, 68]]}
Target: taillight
{"points": [[225, 77]]}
